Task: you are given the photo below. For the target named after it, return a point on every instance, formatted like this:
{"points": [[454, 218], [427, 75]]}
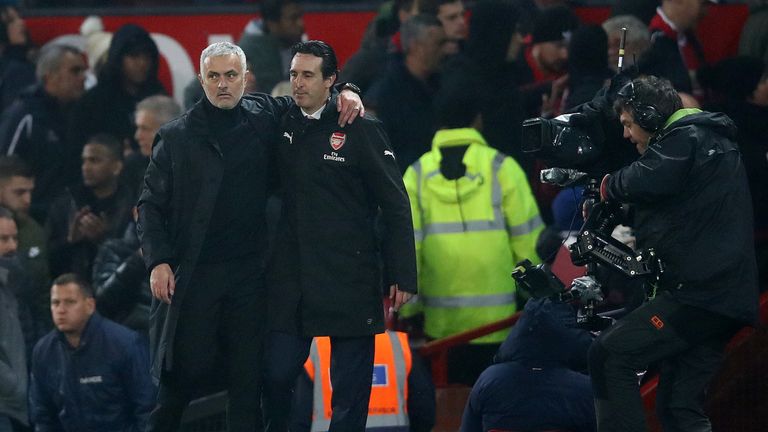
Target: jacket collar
{"points": [[85, 338]]}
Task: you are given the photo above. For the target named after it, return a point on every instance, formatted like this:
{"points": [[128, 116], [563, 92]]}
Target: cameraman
{"points": [[692, 205]]}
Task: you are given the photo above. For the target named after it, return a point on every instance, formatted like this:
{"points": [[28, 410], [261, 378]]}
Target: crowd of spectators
{"points": [[452, 88]]}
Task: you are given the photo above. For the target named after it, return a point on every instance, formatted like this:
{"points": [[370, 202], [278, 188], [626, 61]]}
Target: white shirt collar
{"points": [[315, 115]]}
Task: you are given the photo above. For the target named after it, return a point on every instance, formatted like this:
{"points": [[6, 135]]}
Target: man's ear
{"points": [[200, 79], [331, 80]]}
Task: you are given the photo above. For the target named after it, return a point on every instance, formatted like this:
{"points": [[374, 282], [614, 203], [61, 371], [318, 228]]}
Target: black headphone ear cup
{"points": [[648, 117]]}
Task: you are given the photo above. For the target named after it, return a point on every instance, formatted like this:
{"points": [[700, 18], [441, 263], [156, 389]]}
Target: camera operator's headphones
{"points": [[646, 115]]}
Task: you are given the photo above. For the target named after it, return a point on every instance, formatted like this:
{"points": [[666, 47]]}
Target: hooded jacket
{"points": [[535, 383], [108, 107], [692, 205], [470, 232]]}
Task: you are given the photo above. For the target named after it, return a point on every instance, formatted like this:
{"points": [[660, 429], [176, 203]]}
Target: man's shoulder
{"points": [[44, 346]]}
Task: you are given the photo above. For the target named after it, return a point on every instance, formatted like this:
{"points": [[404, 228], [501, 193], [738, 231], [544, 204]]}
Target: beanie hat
{"points": [[554, 24]]}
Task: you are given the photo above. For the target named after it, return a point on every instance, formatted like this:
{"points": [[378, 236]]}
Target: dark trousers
{"points": [[687, 343], [219, 339], [351, 378]]}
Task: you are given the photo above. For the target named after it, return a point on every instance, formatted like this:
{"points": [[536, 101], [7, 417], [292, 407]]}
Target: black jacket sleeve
{"points": [[660, 173], [382, 177], [118, 274], [154, 207]]}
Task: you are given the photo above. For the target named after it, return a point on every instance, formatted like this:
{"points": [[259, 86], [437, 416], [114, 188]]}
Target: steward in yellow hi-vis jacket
{"points": [[471, 227]]}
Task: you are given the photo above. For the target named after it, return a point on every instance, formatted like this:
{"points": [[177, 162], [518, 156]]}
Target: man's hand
{"points": [[397, 297], [162, 283], [93, 227], [350, 106], [74, 234]]}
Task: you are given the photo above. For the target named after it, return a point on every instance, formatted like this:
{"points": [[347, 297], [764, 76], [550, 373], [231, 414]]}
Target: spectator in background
{"points": [[378, 47], [402, 98], [530, 10], [546, 57], [13, 357], [402, 397], [89, 373], [637, 42], [151, 113], [739, 88], [675, 52], [129, 75], [538, 381], [34, 127], [547, 53], [488, 65], [267, 42], [754, 35], [16, 187], [16, 71], [451, 15], [474, 217], [91, 212], [121, 282], [588, 69], [97, 43]]}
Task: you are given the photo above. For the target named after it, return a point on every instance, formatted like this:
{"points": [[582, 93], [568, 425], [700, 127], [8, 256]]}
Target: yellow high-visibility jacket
{"points": [[470, 233]]}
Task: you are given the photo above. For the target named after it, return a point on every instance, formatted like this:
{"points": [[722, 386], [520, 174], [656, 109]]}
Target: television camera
{"points": [[580, 147]]}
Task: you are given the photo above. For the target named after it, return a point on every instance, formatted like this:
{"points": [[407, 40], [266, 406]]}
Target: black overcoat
{"points": [[326, 276], [180, 189]]}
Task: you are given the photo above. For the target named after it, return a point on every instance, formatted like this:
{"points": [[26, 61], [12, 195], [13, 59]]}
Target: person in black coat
{"points": [[203, 236], [34, 127], [121, 282], [325, 277], [128, 76], [692, 205]]}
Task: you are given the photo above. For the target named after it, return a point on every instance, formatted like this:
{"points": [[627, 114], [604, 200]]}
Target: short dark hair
{"points": [[13, 166], [272, 10], [112, 144], [319, 49], [650, 91], [74, 278]]}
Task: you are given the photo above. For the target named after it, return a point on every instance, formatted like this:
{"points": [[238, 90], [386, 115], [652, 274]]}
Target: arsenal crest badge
{"points": [[337, 140]]}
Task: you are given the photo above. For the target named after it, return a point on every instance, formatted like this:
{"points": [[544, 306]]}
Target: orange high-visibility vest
{"points": [[387, 406]]}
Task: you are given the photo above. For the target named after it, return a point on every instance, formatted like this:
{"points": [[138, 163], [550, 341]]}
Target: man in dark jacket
{"points": [[129, 75], [692, 204], [88, 374], [325, 278], [537, 382], [13, 352], [203, 236], [675, 52], [34, 127], [87, 214]]}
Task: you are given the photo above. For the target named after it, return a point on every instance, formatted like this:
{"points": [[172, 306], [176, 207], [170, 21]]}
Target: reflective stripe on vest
{"points": [[392, 417], [497, 224]]}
